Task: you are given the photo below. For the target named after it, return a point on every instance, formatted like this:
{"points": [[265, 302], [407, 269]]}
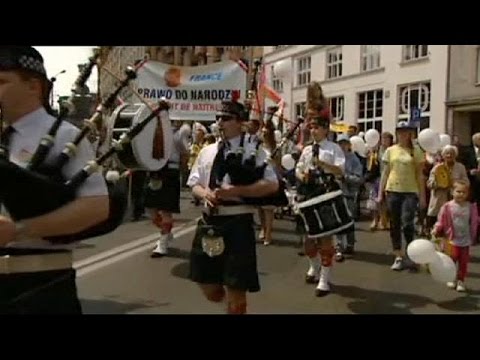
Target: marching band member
{"points": [[162, 196], [38, 275], [223, 252], [331, 160]]}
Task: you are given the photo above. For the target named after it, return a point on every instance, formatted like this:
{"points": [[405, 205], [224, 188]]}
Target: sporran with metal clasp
{"points": [[212, 242]]}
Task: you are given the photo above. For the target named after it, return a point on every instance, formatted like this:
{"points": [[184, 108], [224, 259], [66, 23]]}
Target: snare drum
{"points": [[326, 215], [138, 154]]}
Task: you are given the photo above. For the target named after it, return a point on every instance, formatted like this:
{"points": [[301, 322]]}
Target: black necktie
{"points": [[316, 149], [217, 163], [7, 135]]}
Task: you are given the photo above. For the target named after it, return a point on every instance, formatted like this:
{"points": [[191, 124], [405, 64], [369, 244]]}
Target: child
{"points": [[458, 220]]}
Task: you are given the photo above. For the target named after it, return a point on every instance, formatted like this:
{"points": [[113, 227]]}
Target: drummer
{"points": [[332, 160]]}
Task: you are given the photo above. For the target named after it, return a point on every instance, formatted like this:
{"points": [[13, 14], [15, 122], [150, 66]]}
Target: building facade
{"points": [[116, 59], [463, 97], [372, 86]]}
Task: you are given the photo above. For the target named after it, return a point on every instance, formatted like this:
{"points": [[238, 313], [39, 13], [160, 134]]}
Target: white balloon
{"points": [[443, 269], [361, 134], [282, 69], [288, 162], [444, 140], [422, 251], [372, 137], [358, 145], [429, 140]]}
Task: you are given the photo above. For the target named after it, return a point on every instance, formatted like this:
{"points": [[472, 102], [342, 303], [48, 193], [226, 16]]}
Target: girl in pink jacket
{"points": [[458, 221]]}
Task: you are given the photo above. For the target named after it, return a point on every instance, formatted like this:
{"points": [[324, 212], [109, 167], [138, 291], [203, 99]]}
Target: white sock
{"points": [[314, 266]]}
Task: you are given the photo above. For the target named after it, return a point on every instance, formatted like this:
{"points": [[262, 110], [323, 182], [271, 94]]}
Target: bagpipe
{"points": [[247, 172], [40, 187]]}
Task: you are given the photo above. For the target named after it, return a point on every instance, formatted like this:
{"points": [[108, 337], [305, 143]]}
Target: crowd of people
{"points": [[399, 186], [235, 170]]}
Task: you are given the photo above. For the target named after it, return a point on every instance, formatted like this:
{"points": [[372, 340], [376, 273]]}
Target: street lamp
{"points": [[54, 78], [52, 81]]}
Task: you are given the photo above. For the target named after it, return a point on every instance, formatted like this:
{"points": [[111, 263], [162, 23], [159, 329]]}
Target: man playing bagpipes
{"points": [[322, 156], [36, 274], [229, 176]]}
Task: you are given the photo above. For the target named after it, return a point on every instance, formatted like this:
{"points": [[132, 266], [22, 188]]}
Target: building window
{"points": [[370, 57], [370, 110], [303, 70], [277, 84], [300, 109], [337, 105], [334, 63], [413, 52], [415, 96], [478, 65]]}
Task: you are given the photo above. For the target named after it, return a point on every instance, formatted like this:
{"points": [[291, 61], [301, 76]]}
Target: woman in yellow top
{"points": [[403, 188]]}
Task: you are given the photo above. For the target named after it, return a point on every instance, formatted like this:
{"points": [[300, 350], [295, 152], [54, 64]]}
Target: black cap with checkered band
{"points": [[21, 58]]}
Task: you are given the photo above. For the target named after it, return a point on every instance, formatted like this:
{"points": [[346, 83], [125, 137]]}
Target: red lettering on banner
{"points": [[205, 107]]}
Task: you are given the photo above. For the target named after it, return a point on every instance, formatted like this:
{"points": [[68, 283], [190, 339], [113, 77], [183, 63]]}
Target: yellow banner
{"points": [[339, 127]]}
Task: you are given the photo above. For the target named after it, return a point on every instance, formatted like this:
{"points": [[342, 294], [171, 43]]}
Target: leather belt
{"points": [[229, 210], [35, 263]]}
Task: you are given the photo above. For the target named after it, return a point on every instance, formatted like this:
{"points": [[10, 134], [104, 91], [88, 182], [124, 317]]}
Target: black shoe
{"points": [[157, 255], [309, 279], [321, 293]]}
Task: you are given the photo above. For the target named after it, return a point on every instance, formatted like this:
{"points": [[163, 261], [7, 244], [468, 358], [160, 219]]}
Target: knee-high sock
{"points": [[326, 254]]}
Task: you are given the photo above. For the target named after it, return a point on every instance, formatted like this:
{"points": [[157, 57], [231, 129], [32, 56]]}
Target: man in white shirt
{"points": [[229, 263], [39, 277]]}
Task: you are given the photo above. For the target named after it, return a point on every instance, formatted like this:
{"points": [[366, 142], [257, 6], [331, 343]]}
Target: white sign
{"points": [[195, 93]]}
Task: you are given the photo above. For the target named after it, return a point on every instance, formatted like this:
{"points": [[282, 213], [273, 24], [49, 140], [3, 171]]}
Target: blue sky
{"points": [[58, 58]]}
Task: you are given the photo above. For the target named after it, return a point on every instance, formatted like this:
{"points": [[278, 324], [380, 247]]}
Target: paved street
{"points": [[117, 276]]}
